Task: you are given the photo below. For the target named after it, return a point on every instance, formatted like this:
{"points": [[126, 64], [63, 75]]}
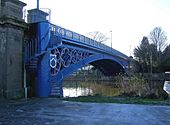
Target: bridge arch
{"points": [[108, 65], [53, 56]]}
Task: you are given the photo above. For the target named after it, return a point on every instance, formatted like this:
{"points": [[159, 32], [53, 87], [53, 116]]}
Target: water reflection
{"points": [[75, 92], [84, 89]]}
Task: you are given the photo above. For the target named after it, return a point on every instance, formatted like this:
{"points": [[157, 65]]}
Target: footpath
{"points": [[52, 111]]}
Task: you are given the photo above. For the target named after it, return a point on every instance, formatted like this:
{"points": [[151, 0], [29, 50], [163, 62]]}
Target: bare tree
{"points": [[158, 38], [98, 36]]}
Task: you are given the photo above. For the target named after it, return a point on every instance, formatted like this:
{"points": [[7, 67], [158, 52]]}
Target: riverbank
{"points": [[118, 99]]}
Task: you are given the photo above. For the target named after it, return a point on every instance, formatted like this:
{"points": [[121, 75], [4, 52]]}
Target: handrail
{"points": [[74, 37], [68, 34]]}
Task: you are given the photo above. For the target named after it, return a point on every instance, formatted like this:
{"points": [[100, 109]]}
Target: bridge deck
{"points": [[82, 40]]}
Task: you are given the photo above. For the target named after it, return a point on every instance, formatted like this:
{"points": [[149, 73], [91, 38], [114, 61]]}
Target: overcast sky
{"points": [[129, 20]]}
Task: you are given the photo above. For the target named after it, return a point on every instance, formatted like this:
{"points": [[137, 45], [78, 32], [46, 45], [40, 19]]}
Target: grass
{"points": [[121, 100]]}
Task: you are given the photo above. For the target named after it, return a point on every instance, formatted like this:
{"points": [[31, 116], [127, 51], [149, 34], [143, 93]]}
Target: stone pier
{"points": [[12, 28]]}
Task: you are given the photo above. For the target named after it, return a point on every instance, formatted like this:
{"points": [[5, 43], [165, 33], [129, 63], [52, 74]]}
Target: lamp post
{"points": [[37, 17], [130, 50], [111, 38], [38, 4]]}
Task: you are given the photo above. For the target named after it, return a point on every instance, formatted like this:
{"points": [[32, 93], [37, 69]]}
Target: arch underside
{"points": [[108, 65]]}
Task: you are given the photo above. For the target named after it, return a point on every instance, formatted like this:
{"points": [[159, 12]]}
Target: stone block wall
{"points": [[11, 49], [11, 56], [2, 60], [12, 9]]}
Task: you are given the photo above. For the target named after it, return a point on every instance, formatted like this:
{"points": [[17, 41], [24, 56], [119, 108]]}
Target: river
{"points": [[83, 89]]}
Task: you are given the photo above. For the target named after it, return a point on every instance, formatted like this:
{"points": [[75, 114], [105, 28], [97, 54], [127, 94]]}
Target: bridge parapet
{"points": [[51, 37], [85, 41]]}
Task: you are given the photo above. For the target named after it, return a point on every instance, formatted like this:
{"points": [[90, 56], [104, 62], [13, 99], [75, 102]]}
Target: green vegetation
{"points": [[121, 100], [143, 85], [129, 90], [152, 54], [135, 86]]}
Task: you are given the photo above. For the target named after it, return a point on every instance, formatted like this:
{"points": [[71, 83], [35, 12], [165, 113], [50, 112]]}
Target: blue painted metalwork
{"points": [[43, 76], [55, 52], [43, 36], [37, 4]]}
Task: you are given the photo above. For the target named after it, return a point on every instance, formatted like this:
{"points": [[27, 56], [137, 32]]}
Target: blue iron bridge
{"points": [[52, 53]]}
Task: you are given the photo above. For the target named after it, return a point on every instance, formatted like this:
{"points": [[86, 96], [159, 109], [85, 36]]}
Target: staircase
{"points": [[56, 86], [55, 91], [34, 49], [32, 64]]}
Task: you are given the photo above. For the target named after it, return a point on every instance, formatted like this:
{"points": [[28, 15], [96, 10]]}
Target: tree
{"points": [[146, 56], [98, 36], [165, 59], [159, 38], [152, 55], [141, 53]]}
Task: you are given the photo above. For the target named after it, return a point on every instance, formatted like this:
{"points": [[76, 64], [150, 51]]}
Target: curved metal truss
{"points": [[63, 57]]}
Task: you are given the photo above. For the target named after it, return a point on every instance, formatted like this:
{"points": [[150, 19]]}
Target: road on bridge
{"points": [[51, 111]]}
